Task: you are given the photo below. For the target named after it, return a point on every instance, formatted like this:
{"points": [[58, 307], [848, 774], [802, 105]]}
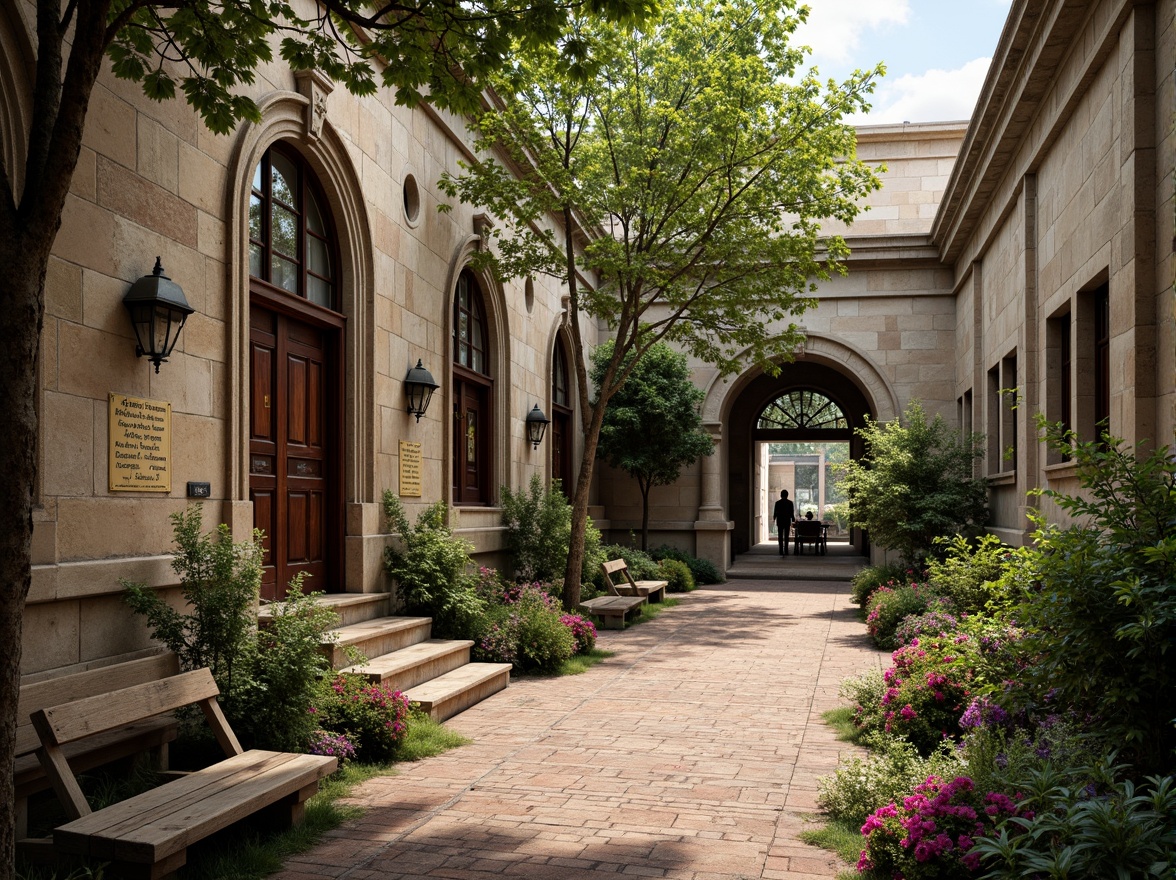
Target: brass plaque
{"points": [[410, 469], [140, 444]]}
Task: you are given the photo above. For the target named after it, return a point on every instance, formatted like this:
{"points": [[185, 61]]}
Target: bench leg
{"points": [[289, 811], [161, 870]]}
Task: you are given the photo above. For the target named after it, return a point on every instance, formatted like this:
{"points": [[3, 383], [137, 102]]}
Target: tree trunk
{"points": [[21, 307], [575, 570]]}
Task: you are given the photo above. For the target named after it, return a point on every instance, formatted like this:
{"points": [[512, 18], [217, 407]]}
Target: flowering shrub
{"points": [[498, 641], [371, 716], [583, 632], [889, 605], [931, 835], [332, 744], [933, 623], [870, 578], [544, 640], [928, 689]]}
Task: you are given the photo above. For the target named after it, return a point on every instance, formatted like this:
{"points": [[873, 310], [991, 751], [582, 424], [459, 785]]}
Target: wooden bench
{"points": [[654, 591], [147, 836], [612, 610], [151, 735]]}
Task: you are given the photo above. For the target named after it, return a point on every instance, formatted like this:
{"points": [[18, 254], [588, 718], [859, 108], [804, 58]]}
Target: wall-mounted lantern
{"points": [[536, 426], [419, 386], [158, 311]]}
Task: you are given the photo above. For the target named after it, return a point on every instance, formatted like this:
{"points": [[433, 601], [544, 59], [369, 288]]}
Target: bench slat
{"points": [[55, 691], [158, 823], [84, 717]]}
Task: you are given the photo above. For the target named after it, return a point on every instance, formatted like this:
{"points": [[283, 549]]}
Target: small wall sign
{"points": [[410, 469], [140, 444]]}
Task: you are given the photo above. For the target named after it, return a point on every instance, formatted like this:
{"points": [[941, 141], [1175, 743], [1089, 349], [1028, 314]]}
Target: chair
{"points": [[808, 531]]}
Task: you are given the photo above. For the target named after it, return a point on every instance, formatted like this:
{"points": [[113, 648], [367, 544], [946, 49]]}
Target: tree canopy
{"points": [[652, 427], [914, 483], [698, 157]]}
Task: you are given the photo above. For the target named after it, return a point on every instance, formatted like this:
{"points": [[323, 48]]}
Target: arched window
{"points": [[561, 419], [802, 409], [291, 245], [473, 388]]}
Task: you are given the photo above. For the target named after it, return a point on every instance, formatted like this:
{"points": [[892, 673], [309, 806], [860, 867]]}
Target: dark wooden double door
{"points": [[294, 466]]}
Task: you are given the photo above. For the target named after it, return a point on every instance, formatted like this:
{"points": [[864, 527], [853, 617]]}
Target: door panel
{"points": [[293, 473]]}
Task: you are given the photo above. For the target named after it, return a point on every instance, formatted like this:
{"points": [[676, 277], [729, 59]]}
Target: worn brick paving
{"points": [[692, 754]]}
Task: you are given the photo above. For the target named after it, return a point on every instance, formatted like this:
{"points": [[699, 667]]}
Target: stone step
{"points": [[351, 607], [381, 635], [456, 691], [415, 664]]}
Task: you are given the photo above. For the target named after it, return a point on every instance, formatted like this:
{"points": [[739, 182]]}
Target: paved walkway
{"points": [[692, 753]]}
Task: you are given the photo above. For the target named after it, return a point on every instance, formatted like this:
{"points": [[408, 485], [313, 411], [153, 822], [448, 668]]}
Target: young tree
{"points": [[697, 158], [915, 483], [206, 48], [651, 426]]}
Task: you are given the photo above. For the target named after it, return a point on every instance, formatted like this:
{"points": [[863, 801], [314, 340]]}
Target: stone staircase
{"points": [[401, 653]]}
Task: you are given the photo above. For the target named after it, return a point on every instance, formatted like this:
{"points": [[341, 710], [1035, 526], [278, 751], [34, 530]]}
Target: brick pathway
{"points": [[692, 753]]}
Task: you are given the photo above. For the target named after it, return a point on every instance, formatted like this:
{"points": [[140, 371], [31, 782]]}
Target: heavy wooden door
{"points": [[292, 450], [471, 450]]}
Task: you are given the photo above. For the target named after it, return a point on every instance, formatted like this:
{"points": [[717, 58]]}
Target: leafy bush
{"points": [[968, 571], [914, 483], [431, 569], [702, 570], [1003, 751], [583, 632], [1086, 824], [538, 530], [871, 577], [1100, 626], [270, 709], [544, 640], [889, 606], [931, 834], [371, 716], [220, 581], [889, 773], [334, 745], [676, 575], [497, 640], [865, 692], [917, 626]]}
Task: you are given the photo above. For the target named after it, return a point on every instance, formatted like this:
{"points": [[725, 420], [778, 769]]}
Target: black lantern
{"points": [[536, 426], [419, 386], [158, 312]]}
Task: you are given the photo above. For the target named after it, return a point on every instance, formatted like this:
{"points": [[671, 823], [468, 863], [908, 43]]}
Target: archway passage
{"points": [[807, 403]]}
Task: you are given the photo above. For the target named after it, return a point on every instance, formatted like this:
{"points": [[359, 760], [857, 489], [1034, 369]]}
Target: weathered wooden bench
{"points": [[147, 836], [612, 610], [150, 735], [654, 591]]}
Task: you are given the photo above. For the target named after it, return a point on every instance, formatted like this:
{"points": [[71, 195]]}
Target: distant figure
{"points": [[808, 515], [784, 513]]}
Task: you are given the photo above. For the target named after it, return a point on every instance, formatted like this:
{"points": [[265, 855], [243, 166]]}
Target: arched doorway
{"points": [[808, 403], [296, 373]]}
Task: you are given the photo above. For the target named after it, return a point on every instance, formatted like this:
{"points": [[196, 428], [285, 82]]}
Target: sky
{"points": [[936, 52]]}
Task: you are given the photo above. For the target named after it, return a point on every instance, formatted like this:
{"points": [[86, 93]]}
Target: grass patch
{"points": [[837, 836], [650, 610], [426, 738], [841, 720]]}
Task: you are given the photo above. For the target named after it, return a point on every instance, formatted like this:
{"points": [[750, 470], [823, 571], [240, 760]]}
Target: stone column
{"points": [[712, 529]]}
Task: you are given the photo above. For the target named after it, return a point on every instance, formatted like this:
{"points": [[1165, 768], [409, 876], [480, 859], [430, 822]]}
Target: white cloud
{"points": [[934, 96], [834, 27]]}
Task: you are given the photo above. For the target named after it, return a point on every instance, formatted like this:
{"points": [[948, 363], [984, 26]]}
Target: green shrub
{"points": [[890, 772], [1086, 824], [544, 640], [538, 531], [372, 717], [864, 692], [676, 575], [431, 570], [889, 606], [641, 565], [871, 577], [968, 572], [1100, 624], [702, 570], [270, 710], [220, 581]]}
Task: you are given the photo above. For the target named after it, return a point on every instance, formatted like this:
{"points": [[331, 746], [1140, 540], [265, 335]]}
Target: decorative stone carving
{"points": [[314, 86]]}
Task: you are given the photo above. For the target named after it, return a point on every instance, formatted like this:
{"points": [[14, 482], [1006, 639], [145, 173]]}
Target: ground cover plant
{"points": [[702, 570], [1049, 685]]}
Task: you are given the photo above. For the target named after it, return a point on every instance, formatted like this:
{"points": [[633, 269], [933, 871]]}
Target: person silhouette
{"points": [[784, 513]]}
